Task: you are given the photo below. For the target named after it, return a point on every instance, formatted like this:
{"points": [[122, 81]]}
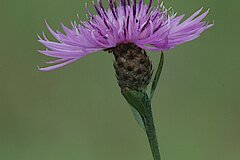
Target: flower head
{"points": [[149, 28]]}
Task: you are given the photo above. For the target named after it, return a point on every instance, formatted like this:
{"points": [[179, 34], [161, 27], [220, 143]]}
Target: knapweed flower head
{"points": [[130, 25], [127, 30]]}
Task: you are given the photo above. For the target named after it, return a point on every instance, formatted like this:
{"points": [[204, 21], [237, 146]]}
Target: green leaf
{"points": [[138, 118], [136, 99], [157, 75]]}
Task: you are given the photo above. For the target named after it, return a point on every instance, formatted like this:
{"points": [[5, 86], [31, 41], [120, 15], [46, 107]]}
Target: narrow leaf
{"points": [[134, 98], [138, 118], [136, 101], [157, 75]]}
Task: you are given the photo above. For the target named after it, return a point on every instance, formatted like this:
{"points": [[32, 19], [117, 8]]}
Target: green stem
{"points": [[150, 130], [141, 104]]}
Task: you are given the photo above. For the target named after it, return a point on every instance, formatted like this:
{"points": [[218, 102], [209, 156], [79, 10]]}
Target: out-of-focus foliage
{"points": [[78, 112]]}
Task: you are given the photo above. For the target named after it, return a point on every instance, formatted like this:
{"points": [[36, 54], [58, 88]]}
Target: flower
{"points": [[149, 28]]}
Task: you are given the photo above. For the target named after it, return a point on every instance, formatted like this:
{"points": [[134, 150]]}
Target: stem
{"points": [[151, 132]]}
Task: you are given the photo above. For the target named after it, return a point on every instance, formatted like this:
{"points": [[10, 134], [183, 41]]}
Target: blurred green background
{"points": [[78, 113]]}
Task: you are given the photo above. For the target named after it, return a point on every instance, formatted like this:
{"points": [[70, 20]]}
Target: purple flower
{"points": [[150, 28]]}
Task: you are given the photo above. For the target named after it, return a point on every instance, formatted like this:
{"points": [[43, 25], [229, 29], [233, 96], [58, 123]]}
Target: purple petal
{"points": [[50, 68], [133, 21]]}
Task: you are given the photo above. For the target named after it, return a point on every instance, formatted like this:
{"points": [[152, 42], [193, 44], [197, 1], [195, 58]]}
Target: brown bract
{"points": [[132, 65]]}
